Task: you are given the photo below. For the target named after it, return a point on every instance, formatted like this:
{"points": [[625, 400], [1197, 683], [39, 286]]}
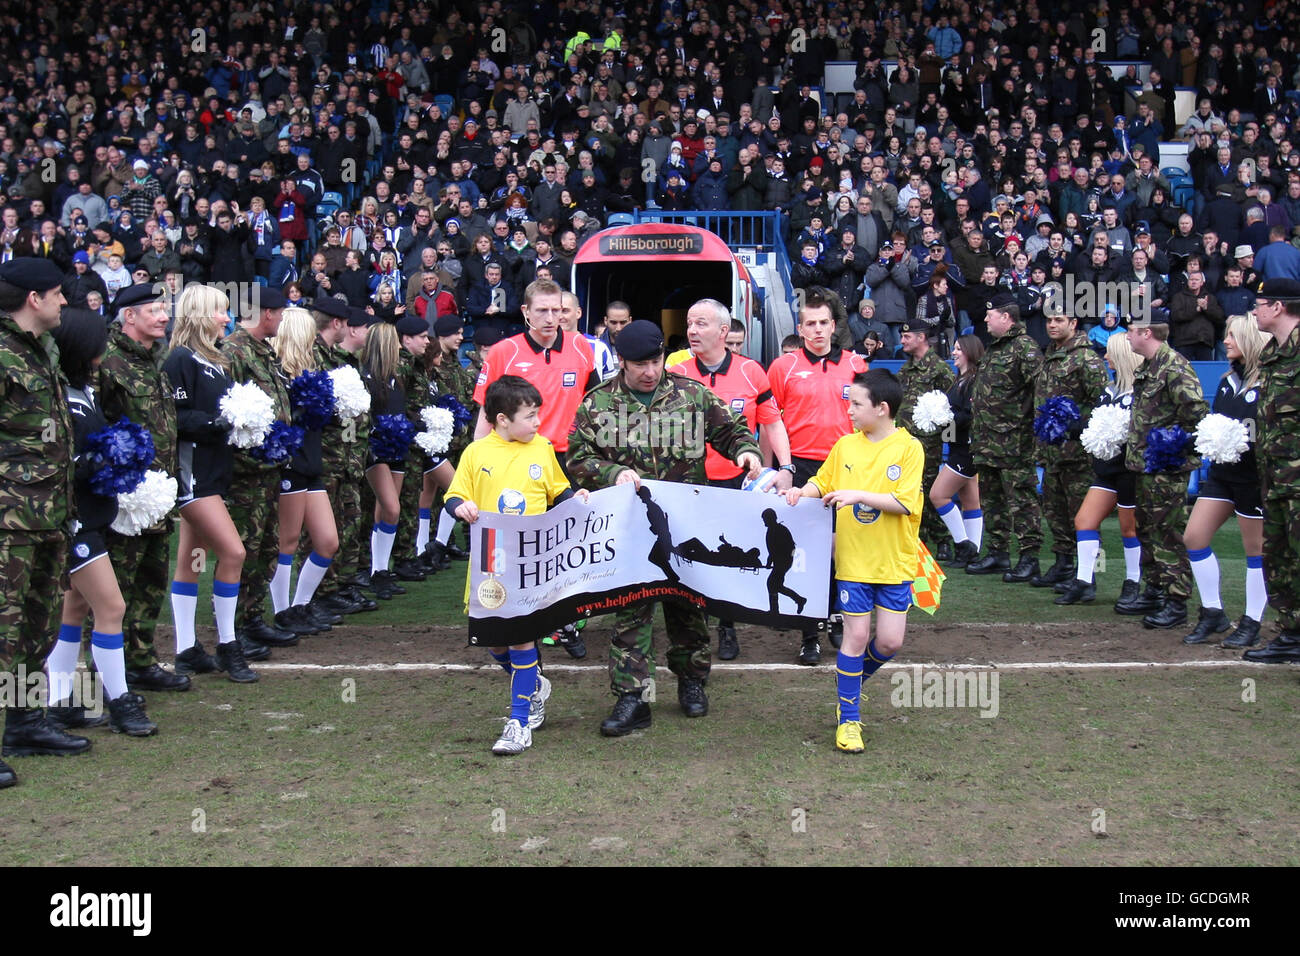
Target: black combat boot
{"points": [[1211, 621], [995, 562], [29, 733], [630, 713]]}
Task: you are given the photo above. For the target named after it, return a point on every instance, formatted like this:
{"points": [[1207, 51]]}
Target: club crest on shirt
{"points": [[82, 550], [893, 472], [285, 485], [535, 471], [511, 502], [570, 379], [1252, 395]]}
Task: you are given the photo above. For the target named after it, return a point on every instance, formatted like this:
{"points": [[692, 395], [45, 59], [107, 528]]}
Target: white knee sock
{"points": [[185, 600], [1205, 568], [309, 578], [974, 522], [952, 520], [110, 662], [422, 531], [446, 524], [1256, 591], [225, 597], [280, 583], [61, 665], [1132, 559], [1087, 543], [385, 536]]}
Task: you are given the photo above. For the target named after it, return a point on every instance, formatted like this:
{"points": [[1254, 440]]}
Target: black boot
{"points": [[1211, 621], [945, 552], [964, 554], [29, 733], [323, 616], [1283, 649], [263, 633], [253, 651], [385, 586], [1079, 593], [154, 677], [1026, 569], [129, 718], [1062, 570], [1246, 634], [1060, 587], [295, 620], [690, 694], [196, 660], [1172, 613], [630, 713], [458, 554], [230, 658], [728, 645], [1132, 603], [995, 562], [363, 603], [7, 776], [435, 557], [68, 716], [340, 602], [409, 571]]}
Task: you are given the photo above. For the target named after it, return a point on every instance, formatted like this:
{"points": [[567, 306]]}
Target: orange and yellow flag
{"points": [[928, 586]]}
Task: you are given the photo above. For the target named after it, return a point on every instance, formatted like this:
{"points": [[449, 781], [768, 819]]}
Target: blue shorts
{"points": [[854, 597]]}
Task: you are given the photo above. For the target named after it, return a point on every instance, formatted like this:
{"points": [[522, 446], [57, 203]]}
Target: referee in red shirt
{"points": [[811, 387], [742, 385]]}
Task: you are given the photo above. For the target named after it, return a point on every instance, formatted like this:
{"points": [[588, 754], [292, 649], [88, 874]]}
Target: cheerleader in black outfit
{"points": [[957, 476], [82, 337], [387, 397], [1113, 485], [199, 375], [304, 502], [1232, 488]]}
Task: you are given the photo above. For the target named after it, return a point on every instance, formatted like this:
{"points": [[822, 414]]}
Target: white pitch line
{"points": [[563, 668]]}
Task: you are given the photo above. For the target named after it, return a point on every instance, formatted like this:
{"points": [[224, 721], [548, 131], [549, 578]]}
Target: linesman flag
{"points": [[928, 586]]}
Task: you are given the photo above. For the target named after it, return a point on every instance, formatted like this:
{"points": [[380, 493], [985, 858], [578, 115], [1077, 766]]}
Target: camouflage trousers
{"points": [[631, 646], [1282, 557], [1009, 499], [253, 504], [345, 498], [33, 577], [1065, 484], [932, 527], [1161, 519], [408, 515], [144, 573]]}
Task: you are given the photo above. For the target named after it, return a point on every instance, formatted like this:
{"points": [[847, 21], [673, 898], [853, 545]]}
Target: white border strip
{"points": [[564, 668]]}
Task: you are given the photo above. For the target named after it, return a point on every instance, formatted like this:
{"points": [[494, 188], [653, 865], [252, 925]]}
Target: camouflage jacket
{"points": [[927, 374], [334, 446], [1278, 445], [1002, 402], [256, 362], [132, 384], [1166, 391], [452, 378], [613, 430], [36, 443], [1077, 372], [414, 378]]}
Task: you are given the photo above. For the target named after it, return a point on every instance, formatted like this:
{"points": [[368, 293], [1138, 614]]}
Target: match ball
{"points": [[765, 482]]}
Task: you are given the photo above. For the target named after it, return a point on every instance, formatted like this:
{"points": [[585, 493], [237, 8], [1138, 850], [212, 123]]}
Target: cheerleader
{"points": [[200, 375], [1232, 488], [82, 338], [957, 474], [387, 397], [303, 499], [1113, 485]]}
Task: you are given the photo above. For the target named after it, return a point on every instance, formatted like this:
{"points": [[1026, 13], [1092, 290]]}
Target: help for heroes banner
{"points": [[738, 555]]}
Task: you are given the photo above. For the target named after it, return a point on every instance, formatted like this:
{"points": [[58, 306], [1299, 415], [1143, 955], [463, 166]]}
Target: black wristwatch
{"points": [[789, 468]]}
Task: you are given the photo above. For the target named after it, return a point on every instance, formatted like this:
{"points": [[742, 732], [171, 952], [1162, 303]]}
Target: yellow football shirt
{"points": [[872, 546], [677, 358]]}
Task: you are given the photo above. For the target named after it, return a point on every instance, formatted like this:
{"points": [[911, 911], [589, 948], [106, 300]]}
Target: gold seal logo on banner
{"points": [[491, 594]]}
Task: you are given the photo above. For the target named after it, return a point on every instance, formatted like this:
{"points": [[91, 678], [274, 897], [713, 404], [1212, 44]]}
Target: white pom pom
{"points": [[145, 506], [438, 426], [1222, 439], [351, 399], [1106, 433], [931, 412], [250, 411]]}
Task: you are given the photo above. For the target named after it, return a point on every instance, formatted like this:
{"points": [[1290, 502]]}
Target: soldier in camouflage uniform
{"points": [[1166, 392], [1002, 443], [255, 489], [449, 377], [484, 339], [414, 335], [924, 371], [1277, 309], [343, 474], [600, 455], [1071, 369], [132, 385], [36, 501]]}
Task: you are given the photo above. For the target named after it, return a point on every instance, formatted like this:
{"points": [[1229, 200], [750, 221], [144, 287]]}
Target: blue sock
{"points": [[523, 683], [502, 658], [873, 659], [848, 680], [72, 632]]}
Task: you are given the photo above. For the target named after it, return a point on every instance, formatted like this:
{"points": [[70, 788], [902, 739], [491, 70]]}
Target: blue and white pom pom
{"points": [[121, 453], [765, 482], [351, 399], [1221, 439], [1107, 432], [151, 501], [439, 423], [931, 412], [462, 415], [311, 396], [281, 442], [1166, 449], [391, 437], [250, 412], [1055, 418]]}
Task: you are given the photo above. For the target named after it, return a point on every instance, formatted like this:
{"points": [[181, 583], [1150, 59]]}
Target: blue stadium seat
{"points": [[445, 103], [620, 219]]}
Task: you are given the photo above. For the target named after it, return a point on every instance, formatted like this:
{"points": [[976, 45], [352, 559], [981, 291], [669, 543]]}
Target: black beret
{"points": [[270, 298], [1280, 290], [335, 308], [919, 324], [447, 325], [641, 340], [411, 324], [1002, 300], [31, 273], [140, 294], [358, 317], [487, 335]]}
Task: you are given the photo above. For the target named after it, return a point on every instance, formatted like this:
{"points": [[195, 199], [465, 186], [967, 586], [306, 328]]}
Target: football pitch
{"points": [[1098, 743]]}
